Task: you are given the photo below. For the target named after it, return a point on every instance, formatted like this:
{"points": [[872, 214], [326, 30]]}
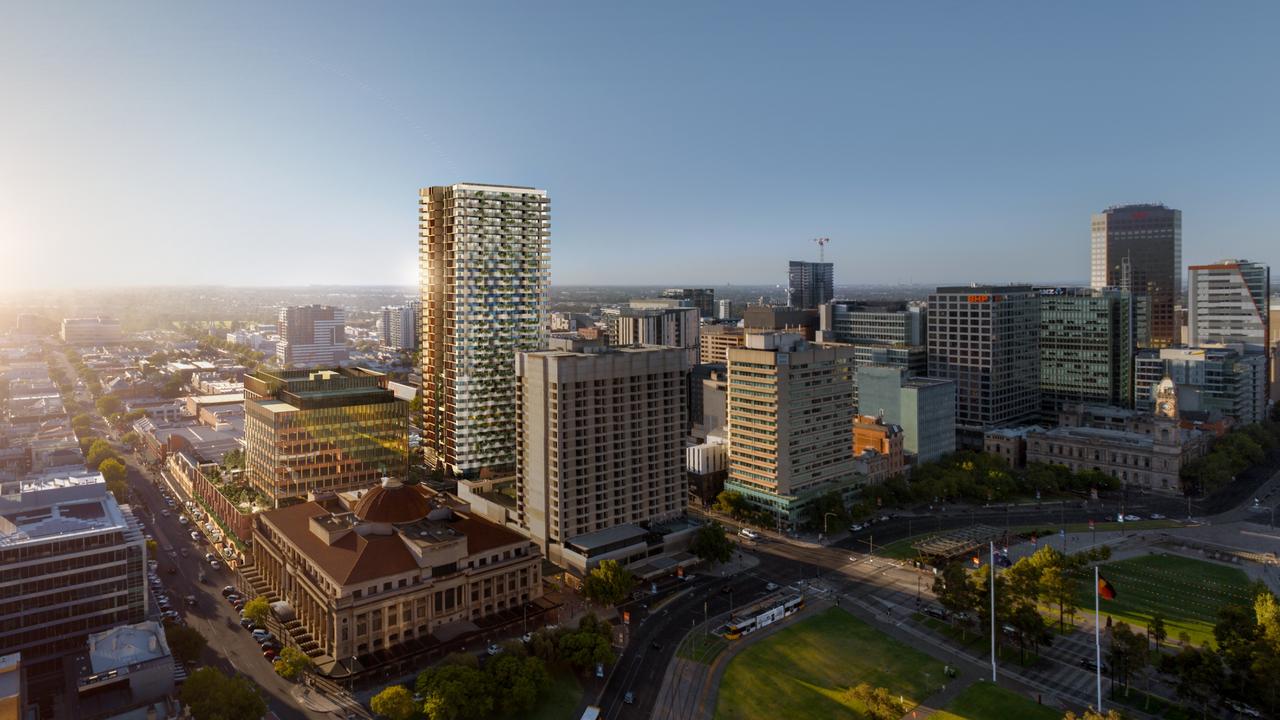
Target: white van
{"points": [[749, 534]]}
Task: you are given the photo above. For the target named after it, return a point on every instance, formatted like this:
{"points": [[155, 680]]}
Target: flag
{"points": [[1105, 589]]}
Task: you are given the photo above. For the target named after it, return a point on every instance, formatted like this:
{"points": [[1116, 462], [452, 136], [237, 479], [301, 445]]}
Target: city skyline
{"points": [[292, 137]]}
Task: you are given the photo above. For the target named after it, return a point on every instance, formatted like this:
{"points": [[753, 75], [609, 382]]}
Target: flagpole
{"points": [[991, 566], [1097, 641]]}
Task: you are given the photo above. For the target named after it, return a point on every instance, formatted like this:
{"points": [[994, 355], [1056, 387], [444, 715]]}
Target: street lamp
{"points": [[825, 517]]}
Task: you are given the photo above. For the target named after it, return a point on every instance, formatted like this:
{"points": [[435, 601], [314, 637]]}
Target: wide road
{"points": [[230, 647]]}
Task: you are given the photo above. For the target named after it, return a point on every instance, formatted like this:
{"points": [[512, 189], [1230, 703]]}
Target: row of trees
{"points": [[1243, 666], [1231, 455], [511, 683]]}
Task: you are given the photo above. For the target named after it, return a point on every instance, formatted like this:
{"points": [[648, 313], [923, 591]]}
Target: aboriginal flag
{"points": [[1105, 589]]}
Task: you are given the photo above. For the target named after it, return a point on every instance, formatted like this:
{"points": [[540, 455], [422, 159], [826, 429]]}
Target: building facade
{"points": [[321, 431], [600, 441], [1222, 380], [725, 309], [647, 322], [484, 264], [986, 340], [809, 284], [1229, 303], [1086, 348], [715, 341], [925, 409], [878, 445], [790, 411], [861, 323], [702, 298], [371, 575], [1139, 248], [72, 562], [312, 336], [400, 325], [91, 331]]}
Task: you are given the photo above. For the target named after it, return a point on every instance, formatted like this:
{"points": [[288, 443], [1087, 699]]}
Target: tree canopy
{"points": [[608, 583], [257, 610], [186, 643], [710, 544], [212, 695], [395, 702]]}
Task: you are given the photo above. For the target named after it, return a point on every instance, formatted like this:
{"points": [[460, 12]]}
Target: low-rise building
{"points": [[91, 331], [925, 409], [707, 465], [877, 448], [124, 673], [375, 579]]}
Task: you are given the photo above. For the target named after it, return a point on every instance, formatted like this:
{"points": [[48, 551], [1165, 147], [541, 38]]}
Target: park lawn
{"points": [[984, 701], [700, 646], [1187, 592], [803, 671]]}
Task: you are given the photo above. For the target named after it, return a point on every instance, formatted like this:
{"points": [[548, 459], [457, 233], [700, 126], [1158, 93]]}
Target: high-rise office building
{"points": [[1229, 302], [892, 334], [312, 336], [724, 309], [809, 284], [1222, 380], [790, 413], [321, 431], [925, 408], [72, 562], [1086, 348], [1139, 248], [600, 440], [400, 326], [702, 298], [484, 265], [986, 339]]}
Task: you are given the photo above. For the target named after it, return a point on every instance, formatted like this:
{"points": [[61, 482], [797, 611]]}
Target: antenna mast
{"points": [[822, 248]]}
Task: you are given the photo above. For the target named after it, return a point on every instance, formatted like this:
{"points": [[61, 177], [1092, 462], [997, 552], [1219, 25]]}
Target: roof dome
{"points": [[393, 503]]}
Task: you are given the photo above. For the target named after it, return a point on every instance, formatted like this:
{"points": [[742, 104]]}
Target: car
{"points": [[1090, 665], [885, 518], [526, 638], [599, 670], [936, 612], [270, 645], [269, 654], [262, 634], [164, 513], [191, 600], [771, 586], [749, 534], [1243, 709], [247, 624], [195, 536], [184, 552], [182, 519], [493, 649], [170, 615], [215, 564], [1157, 516], [228, 590], [1132, 518], [857, 527], [629, 698], [209, 556]]}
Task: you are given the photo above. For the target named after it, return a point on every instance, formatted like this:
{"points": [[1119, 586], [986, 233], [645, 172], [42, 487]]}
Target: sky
{"points": [[682, 143]]}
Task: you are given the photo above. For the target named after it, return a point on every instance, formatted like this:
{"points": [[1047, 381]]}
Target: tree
{"points": [[455, 692], [291, 663], [1198, 674], [584, 649], [108, 405], [186, 643], [954, 592], [153, 549], [608, 583], [1057, 588], [1156, 630], [710, 544], [521, 679], [880, 704], [211, 695], [1023, 581], [81, 423], [130, 438], [172, 387], [395, 702], [257, 610], [100, 450], [545, 644], [732, 503], [115, 473], [1092, 714], [1031, 629]]}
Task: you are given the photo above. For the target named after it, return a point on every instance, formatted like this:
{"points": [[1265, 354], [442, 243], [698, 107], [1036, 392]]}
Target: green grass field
{"points": [[984, 701], [803, 671], [1187, 592], [701, 647]]}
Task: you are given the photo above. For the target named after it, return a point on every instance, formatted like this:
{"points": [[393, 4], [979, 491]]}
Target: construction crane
{"points": [[822, 248]]}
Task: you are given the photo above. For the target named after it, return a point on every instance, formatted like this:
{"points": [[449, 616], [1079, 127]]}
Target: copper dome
{"points": [[393, 503]]}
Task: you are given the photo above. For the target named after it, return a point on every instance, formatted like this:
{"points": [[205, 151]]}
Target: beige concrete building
{"points": [[91, 331], [600, 433], [717, 340], [1138, 449], [790, 414], [383, 575]]}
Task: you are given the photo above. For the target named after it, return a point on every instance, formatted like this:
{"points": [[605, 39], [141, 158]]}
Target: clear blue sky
{"points": [[682, 142]]}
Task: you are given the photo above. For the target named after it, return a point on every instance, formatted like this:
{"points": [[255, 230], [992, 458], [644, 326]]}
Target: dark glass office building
{"points": [[1139, 248]]}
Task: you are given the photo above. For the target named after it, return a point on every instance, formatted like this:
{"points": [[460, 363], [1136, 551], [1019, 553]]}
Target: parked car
{"points": [[164, 513], [494, 649], [1157, 516], [247, 624], [599, 670], [269, 655], [749, 534], [228, 591], [526, 638], [195, 536], [771, 586], [215, 564], [935, 612]]}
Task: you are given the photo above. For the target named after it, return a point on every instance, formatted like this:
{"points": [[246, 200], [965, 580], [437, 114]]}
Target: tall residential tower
{"points": [[484, 269], [809, 284]]}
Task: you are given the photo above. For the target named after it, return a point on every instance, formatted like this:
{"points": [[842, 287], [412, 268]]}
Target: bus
{"points": [[761, 614], [591, 713]]}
